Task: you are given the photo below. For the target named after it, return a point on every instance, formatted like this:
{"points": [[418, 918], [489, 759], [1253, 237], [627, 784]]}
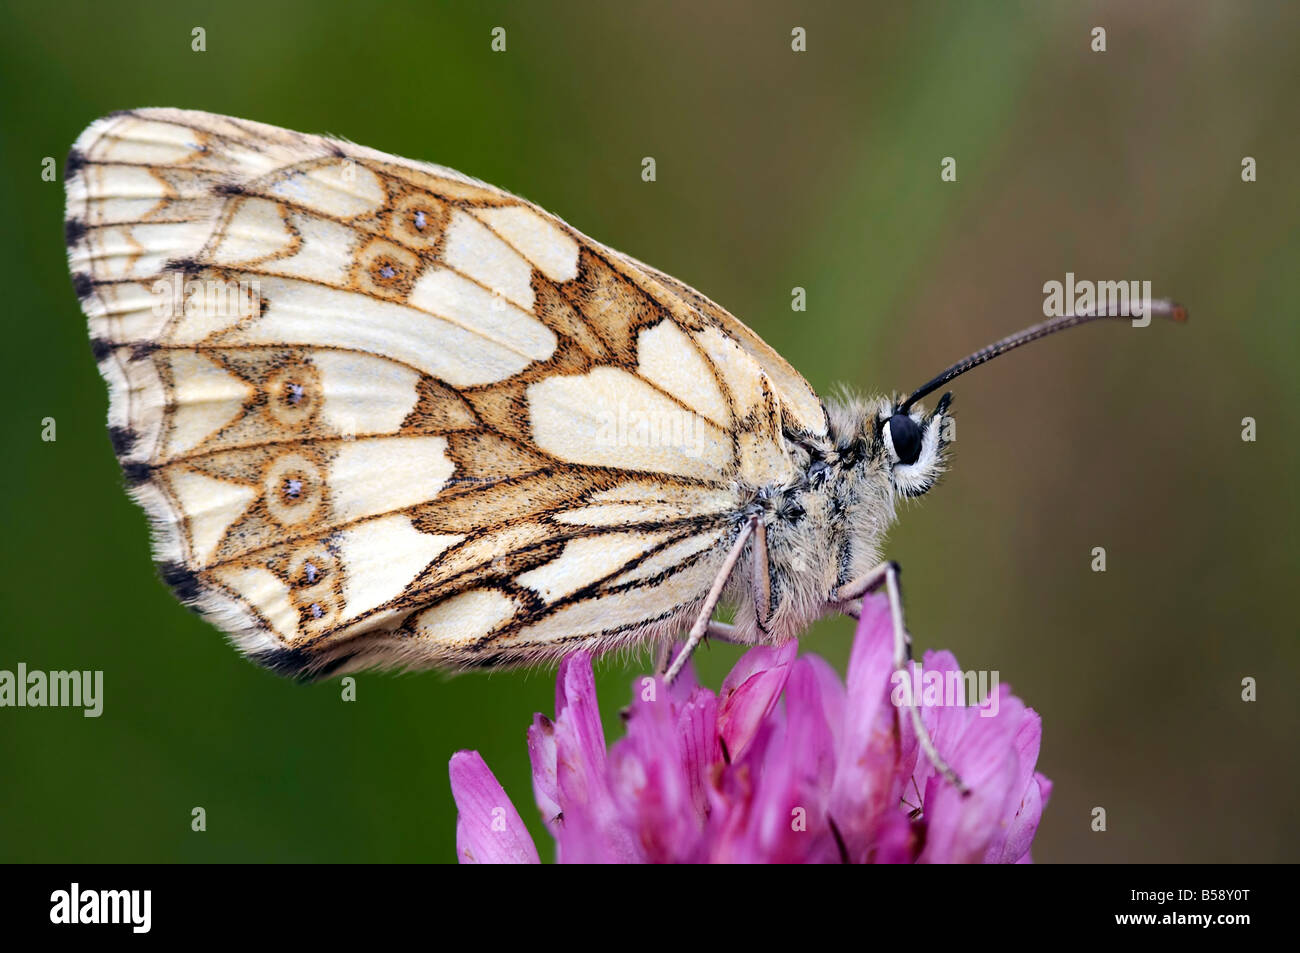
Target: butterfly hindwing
{"points": [[382, 414]]}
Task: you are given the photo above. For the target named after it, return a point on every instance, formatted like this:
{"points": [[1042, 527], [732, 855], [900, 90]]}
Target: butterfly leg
{"points": [[762, 579], [705, 615], [721, 632], [849, 597], [716, 631]]}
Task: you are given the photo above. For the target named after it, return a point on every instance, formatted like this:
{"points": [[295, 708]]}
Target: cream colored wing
{"points": [[382, 414]]}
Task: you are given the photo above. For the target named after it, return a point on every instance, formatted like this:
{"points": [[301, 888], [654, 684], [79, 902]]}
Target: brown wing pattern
{"points": [[382, 414]]}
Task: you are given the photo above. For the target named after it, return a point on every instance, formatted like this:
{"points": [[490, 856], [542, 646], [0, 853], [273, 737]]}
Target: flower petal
{"points": [[591, 830], [541, 752], [830, 689], [732, 797], [1022, 827], [962, 829], [862, 791], [576, 703], [488, 828], [697, 722], [649, 781], [750, 692], [789, 822]]}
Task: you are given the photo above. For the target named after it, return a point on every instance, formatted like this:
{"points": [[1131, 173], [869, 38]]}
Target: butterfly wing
{"points": [[382, 414]]}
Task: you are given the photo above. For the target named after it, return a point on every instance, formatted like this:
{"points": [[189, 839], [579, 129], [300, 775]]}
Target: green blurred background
{"points": [[775, 169]]}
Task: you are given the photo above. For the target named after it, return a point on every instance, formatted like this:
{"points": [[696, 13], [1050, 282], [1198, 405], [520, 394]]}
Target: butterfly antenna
{"points": [[1162, 308]]}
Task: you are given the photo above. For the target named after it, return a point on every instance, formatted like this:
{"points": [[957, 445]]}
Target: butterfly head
{"points": [[912, 444]]}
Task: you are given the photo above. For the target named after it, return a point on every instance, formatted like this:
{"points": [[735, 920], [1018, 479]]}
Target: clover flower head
{"points": [[785, 764]]}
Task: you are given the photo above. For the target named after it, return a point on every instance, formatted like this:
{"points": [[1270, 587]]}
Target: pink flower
{"points": [[488, 828], [834, 774]]}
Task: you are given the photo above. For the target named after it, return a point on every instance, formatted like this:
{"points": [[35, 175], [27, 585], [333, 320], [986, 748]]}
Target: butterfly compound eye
{"points": [[905, 434]]}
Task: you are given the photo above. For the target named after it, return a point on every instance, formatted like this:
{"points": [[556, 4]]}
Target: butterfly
{"points": [[381, 414]]}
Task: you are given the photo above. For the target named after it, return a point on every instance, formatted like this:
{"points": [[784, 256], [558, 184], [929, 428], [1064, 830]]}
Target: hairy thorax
{"points": [[823, 528]]}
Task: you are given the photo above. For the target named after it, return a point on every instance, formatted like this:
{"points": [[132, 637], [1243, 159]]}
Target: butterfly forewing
{"points": [[382, 414]]}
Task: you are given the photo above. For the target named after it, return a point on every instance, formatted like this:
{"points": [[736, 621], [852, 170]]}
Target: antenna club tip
{"points": [[1172, 310]]}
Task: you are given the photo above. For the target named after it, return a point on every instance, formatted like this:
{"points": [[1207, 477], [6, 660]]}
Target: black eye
{"points": [[906, 435]]}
